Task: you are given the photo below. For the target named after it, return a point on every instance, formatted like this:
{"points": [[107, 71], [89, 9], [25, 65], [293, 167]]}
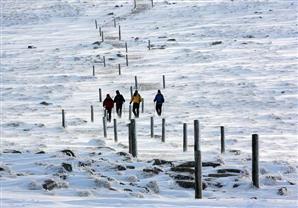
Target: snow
{"points": [[226, 63]]}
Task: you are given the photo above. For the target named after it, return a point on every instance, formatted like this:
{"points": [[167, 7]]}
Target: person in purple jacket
{"points": [[159, 100]]}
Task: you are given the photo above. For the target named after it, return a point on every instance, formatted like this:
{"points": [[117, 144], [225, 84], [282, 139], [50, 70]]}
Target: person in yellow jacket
{"points": [[136, 99]]}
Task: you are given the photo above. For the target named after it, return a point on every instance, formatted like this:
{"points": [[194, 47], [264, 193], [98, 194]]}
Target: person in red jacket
{"points": [[108, 104]]}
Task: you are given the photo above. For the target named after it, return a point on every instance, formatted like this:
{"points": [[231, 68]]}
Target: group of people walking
{"points": [[136, 99]]}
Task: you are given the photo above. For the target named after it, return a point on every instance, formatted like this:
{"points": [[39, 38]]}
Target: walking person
{"points": [[119, 100], [136, 99], [159, 99], [108, 104]]}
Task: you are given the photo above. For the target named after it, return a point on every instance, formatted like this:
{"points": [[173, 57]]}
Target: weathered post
{"points": [[152, 3], [255, 160], [198, 174], [104, 61], [119, 69], [222, 139], [163, 130], [131, 93], [129, 138], [93, 72], [115, 130], [119, 32], [196, 135], [99, 95], [135, 4], [152, 127], [92, 113], [163, 81], [149, 45], [133, 138], [142, 105], [136, 82], [104, 123], [129, 113], [126, 49], [99, 31], [96, 24], [126, 57], [63, 118], [114, 19], [102, 37], [184, 137]]}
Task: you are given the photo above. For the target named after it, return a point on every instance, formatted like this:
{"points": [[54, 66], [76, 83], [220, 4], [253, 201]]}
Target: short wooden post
{"points": [[104, 123], [152, 126], [136, 82], [255, 160], [119, 69], [99, 31], [184, 137], [115, 130], [152, 3], [163, 130], [63, 118], [135, 4], [133, 138], [129, 138], [131, 93], [222, 139], [119, 27], [163, 81], [99, 95], [93, 71], [198, 174], [92, 113], [96, 24], [102, 37], [126, 49], [126, 57], [142, 105], [196, 135], [149, 45], [114, 22], [104, 61], [129, 113]]}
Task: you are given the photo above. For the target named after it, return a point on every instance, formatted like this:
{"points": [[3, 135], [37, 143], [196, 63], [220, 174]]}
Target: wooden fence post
{"points": [[96, 24], [126, 49], [63, 118], [255, 160], [102, 37], [115, 130], [119, 69], [133, 138], [131, 93], [129, 138], [119, 32], [184, 137], [99, 95], [135, 4], [114, 19], [99, 31], [163, 130], [222, 139], [164, 81], [149, 45], [152, 127], [136, 82], [92, 113], [104, 123], [196, 135], [126, 57], [152, 3], [129, 113], [198, 174], [104, 61], [142, 105], [93, 71]]}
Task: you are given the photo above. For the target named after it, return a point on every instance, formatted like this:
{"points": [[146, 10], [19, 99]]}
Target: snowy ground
{"points": [[247, 82]]}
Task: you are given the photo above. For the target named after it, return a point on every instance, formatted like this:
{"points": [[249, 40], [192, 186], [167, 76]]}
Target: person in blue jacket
{"points": [[159, 100]]}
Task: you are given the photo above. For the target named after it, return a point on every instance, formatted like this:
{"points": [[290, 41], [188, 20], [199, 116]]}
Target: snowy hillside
{"points": [[230, 63]]}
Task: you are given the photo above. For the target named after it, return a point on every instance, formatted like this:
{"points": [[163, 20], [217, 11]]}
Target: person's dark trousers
{"points": [[135, 109], [158, 108], [109, 111], [119, 109]]}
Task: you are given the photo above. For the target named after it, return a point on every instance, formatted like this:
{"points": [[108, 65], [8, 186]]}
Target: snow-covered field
{"points": [[227, 63]]}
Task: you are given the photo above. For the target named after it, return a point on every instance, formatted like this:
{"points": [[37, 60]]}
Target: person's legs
{"points": [[119, 110], [138, 106], [158, 109], [134, 107], [109, 114]]}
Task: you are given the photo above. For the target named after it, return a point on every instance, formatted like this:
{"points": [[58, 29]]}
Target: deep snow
{"points": [[248, 83]]}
